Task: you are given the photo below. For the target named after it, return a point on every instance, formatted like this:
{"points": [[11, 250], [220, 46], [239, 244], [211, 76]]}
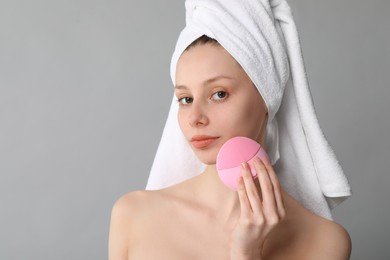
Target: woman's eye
{"points": [[220, 95], [185, 100]]}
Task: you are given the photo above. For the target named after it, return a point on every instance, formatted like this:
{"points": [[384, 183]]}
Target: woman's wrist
{"points": [[255, 255]]}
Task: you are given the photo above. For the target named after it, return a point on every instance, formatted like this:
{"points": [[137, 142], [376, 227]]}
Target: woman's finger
{"points": [[243, 198], [277, 188], [251, 190], [267, 190]]}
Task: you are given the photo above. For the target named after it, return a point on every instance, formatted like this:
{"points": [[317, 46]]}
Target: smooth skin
{"points": [[260, 213], [201, 218]]}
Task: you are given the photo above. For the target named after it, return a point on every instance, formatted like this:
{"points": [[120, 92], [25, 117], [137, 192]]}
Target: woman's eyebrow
{"points": [[180, 87], [209, 81], [216, 79]]}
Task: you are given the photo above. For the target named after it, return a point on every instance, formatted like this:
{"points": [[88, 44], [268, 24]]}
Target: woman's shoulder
{"points": [[332, 239], [128, 208], [305, 235], [137, 203], [323, 239], [132, 209], [130, 214]]}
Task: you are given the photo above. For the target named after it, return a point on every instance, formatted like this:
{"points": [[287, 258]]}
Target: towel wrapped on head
{"points": [[262, 37]]}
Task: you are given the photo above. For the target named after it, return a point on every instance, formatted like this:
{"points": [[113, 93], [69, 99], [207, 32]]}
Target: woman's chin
{"points": [[206, 158], [209, 162]]}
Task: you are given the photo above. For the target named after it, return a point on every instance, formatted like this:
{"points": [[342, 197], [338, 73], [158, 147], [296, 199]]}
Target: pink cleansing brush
{"points": [[232, 153]]}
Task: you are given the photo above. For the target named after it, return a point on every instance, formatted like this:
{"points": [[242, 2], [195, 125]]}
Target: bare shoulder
{"points": [[129, 201], [135, 204], [126, 218], [333, 239], [127, 206], [305, 235]]}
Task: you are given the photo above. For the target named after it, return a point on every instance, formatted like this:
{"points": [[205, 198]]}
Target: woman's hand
{"points": [[261, 210]]}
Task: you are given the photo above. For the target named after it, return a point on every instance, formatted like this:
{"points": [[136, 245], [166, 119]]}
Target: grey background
{"points": [[85, 91]]}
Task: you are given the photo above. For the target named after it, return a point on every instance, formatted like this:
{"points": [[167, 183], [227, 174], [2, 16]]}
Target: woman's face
{"points": [[217, 101]]}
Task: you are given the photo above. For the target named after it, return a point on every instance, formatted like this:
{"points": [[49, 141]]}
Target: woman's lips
{"points": [[202, 141]]}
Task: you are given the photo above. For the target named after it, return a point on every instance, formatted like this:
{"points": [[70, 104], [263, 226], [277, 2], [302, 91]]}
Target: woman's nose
{"points": [[197, 116]]}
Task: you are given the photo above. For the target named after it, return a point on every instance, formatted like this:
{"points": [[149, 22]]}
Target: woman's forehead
{"points": [[206, 62]]}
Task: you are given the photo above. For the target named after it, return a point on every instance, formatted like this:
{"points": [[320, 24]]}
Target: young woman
{"points": [[200, 218]]}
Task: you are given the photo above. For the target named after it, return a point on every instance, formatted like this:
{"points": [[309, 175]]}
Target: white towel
{"points": [[261, 35]]}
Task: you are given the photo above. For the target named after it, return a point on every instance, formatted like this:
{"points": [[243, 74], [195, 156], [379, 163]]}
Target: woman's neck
{"points": [[215, 195], [224, 202]]}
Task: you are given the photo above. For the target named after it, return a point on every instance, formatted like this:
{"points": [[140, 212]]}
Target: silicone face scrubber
{"points": [[232, 153]]}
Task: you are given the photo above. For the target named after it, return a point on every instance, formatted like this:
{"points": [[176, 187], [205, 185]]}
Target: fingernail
{"points": [[243, 165], [257, 159]]}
